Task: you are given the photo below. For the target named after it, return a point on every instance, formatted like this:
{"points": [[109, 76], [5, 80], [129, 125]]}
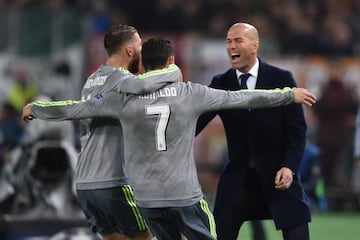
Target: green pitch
{"points": [[331, 226]]}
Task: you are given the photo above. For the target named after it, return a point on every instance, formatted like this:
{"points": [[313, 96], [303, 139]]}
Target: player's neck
{"points": [[157, 68], [117, 61]]}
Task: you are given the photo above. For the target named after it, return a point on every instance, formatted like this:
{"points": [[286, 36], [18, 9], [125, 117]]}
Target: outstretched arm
{"points": [[106, 105], [66, 110], [58, 110], [70, 109], [271, 98], [208, 99]]}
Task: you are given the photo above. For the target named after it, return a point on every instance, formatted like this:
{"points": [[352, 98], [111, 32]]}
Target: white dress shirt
{"points": [[251, 82]]}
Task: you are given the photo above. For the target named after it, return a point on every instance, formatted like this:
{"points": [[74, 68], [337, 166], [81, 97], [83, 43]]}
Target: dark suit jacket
{"points": [[272, 138]]}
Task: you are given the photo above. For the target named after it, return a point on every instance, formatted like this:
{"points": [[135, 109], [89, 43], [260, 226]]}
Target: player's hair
{"points": [[116, 37], [155, 52]]}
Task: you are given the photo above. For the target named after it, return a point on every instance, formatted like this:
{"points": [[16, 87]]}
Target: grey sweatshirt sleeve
{"points": [[203, 97], [106, 105], [70, 109], [261, 98], [215, 99], [147, 82], [61, 110], [73, 110]]}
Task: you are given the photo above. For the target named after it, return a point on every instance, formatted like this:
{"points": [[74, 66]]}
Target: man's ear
{"points": [[129, 50]]}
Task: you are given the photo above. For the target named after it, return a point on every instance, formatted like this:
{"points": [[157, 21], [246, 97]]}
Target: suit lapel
{"points": [[233, 84], [261, 79]]}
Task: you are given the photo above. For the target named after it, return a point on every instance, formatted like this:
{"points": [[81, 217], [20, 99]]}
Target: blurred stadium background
{"points": [[52, 45]]}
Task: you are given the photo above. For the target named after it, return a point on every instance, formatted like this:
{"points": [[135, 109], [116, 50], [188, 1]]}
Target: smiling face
{"points": [[242, 44]]}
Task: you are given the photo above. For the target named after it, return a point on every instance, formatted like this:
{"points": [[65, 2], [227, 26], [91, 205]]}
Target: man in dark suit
{"points": [[261, 179]]}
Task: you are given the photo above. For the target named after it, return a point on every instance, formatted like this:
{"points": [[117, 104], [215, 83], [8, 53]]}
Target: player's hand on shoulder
{"points": [[304, 96], [27, 112]]}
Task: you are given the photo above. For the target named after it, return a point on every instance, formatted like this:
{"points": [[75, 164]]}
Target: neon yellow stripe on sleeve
{"points": [[56, 103], [283, 90]]}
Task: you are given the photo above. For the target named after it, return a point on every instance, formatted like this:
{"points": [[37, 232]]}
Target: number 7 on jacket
{"points": [[164, 113]]}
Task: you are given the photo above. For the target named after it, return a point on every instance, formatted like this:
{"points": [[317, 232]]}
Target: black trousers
{"points": [[300, 232], [258, 232]]}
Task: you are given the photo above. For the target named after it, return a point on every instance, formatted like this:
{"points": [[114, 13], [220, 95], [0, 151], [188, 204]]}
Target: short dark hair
{"points": [[155, 52], [117, 36]]}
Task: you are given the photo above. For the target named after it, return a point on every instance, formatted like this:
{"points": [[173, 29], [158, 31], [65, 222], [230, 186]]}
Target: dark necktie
{"points": [[243, 79]]}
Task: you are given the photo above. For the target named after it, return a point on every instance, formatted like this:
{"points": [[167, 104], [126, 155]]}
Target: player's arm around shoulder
{"points": [[151, 80]]}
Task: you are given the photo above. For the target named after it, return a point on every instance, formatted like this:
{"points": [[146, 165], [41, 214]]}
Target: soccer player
{"points": [[159, 129], [101, 183]]}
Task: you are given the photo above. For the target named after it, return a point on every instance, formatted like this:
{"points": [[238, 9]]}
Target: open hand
{"points": [[304, 96], [27, 112]]}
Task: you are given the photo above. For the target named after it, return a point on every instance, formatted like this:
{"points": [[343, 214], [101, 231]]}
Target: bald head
{"points": [[242, 44], [250, 31]]}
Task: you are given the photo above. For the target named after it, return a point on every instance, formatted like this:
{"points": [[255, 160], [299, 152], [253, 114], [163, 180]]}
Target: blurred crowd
{"points": [[287, 27], [327, 27]]}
